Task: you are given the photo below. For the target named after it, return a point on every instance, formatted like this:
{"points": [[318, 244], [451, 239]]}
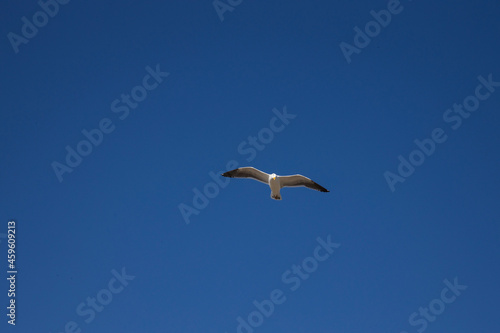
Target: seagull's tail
{"points": [[276, 196]]}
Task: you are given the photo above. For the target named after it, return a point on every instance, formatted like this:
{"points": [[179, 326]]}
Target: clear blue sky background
{"points": [[120, 206]]}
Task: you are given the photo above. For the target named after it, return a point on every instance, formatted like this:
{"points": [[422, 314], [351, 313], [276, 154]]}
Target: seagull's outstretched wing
{"points": [[248, 172], [299, 180]]}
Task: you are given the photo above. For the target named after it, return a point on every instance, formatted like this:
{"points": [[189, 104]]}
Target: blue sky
{"points": [[170, 94]]}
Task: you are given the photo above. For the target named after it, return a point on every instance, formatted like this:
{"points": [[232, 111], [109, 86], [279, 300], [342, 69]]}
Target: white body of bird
{"points": [[274, 184]]}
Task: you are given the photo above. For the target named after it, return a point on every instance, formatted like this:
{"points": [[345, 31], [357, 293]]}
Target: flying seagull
{"points": [[274, 181]]}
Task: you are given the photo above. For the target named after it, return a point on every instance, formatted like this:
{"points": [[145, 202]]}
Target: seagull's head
{"points": [[273, 176]]}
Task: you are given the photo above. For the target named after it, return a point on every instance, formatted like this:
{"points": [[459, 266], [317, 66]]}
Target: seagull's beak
{"points": [[274, 177]]}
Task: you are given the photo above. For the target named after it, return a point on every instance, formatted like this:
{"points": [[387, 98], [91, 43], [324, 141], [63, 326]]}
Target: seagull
{"points": [[274, 181]]}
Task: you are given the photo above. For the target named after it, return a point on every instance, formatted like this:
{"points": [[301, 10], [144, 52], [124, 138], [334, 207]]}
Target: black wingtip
{"points": [[229, 174], [320, 188]]}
